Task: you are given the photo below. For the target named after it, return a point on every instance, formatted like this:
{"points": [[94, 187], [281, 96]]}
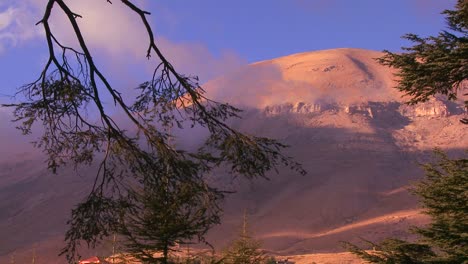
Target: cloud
{"points": [[115, 34], [119, 34], [17, 24], [6, 18], [197, 59], [117, 40], [110, 28]]}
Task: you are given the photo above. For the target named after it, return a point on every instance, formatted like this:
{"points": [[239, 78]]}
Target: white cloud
{"points": [[17, 23], [117, 39], [6, 17], [196, 59], [119, 34], [112, 29], [113, 32]]}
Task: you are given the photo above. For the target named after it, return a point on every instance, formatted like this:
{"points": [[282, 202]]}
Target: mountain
{"points": [[345, 123], [351, 130]]}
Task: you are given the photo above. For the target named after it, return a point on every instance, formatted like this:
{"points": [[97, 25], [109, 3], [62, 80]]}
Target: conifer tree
{"points": [[443, 194], [245, 249], [392, 251], [78, 128], [169, 213], [435, 64]]}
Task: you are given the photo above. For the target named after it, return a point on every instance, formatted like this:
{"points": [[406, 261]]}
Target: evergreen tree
{"points": [[245, 249], [170, 213], [393, 251], [435, 64], [203, 258], [444, 197], [443, 194], [79, 129]]}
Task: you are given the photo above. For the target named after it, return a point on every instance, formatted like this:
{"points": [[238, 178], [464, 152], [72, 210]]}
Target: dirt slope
{"points": [[344, 122]]}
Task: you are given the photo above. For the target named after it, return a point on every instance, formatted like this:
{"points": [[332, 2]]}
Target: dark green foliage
{"points": [[245, 249], [94, 218], [200, 258], [443, 194], [436, 64], [169, 213], [133, 153], [270, 260], [393, 251]]}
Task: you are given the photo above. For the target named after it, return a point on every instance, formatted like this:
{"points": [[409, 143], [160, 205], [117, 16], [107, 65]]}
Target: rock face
{"points": [[344, 122], [296, 108], [355, 135], [434, 108]]}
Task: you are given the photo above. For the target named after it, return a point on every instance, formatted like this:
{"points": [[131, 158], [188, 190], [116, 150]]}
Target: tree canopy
{"points": [[245, 249], [443, 195], [133, 153], [393, 251], [435, 64], [170, 213]]}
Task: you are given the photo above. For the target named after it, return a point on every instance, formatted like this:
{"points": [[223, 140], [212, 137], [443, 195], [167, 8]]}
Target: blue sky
{"points": [[205, 37], [210, 37], [264, 29]]}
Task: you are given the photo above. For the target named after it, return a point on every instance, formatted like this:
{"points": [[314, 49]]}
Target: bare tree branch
{"points": [[71, 83]]}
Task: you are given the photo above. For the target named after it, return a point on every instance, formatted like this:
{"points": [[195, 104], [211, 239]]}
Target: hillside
{"points": [[344, 122]]}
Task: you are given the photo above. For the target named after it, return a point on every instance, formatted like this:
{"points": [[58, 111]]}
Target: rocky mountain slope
{"points": [[344, 122]]}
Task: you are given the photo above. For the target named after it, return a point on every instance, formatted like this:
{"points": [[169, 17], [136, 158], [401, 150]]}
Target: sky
{"points": [[220, 33], [207, 38]]}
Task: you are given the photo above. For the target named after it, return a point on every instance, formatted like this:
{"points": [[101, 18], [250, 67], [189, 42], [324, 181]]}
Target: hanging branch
{"points": [[71, 82]]}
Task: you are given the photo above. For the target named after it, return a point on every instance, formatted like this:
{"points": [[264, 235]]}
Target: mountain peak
{"points": [[334, 76]]}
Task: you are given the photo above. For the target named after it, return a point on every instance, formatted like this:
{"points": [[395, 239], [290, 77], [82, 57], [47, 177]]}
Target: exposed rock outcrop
{"points": [[343, 120], [432, 108], [295, 108]]}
